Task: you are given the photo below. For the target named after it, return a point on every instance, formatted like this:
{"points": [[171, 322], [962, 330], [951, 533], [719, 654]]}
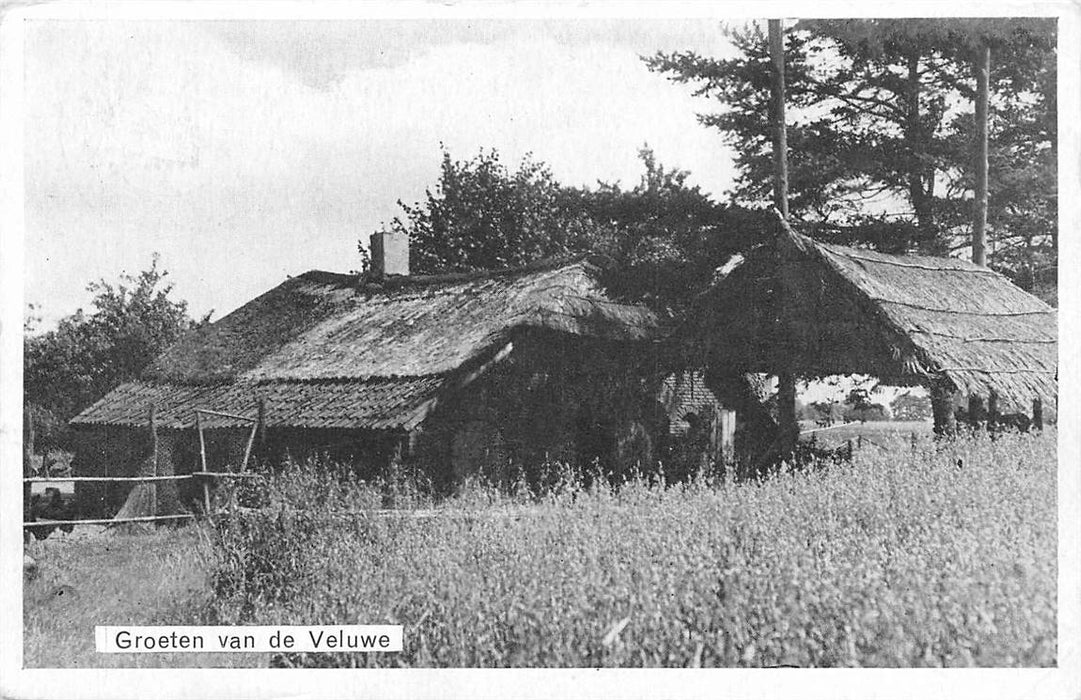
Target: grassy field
{"points": [[899, 559], [114, 579]]}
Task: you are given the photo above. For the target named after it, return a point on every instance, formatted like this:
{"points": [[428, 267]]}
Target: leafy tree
{"points": [[481, 216], [824, 411], [859, 398], [870, 412], [663, 236], [89, 354], [881, 119]]}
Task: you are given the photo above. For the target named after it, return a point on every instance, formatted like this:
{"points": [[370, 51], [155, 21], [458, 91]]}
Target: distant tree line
{"points": [[858, 406]]}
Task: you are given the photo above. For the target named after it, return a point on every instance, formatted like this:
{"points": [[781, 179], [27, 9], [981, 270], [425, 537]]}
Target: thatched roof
{"points": [[904, 318], [330, 350]]}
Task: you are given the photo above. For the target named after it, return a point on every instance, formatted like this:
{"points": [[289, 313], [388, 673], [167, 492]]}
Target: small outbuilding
{"points": [[816, 309]]}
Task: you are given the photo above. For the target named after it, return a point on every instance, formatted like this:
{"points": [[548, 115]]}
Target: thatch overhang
{"points": [[325, 350], [906, 319]]}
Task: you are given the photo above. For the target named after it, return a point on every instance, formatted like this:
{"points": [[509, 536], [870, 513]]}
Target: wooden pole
{"points": [[942, 397], [261, 425], [154, 457], [202, 457], [247, 448], [28, 454], [786, 412], [976, 413], [979, 223], [992, 410], [1037, 413]]}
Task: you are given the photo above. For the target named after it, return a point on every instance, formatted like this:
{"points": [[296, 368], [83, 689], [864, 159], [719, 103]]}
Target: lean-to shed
{"points": [[818, 309], [466, 373]]}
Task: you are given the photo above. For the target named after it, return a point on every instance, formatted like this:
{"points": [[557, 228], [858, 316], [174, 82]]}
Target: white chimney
{"points": [[390, 253]]}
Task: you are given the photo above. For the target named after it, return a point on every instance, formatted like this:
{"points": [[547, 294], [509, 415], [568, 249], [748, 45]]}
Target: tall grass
{"points": [[114, 578], [938, 555]]}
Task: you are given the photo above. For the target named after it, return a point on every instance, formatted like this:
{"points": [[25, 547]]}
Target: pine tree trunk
{"points": [[786, 378], [979, 224], [916, 185], [780, 137]]}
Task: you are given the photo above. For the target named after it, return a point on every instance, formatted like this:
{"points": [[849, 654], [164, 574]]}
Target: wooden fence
{"points": [[206, 475]]}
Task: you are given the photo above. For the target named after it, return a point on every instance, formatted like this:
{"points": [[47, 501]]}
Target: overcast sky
{"points": [[246, 151]]}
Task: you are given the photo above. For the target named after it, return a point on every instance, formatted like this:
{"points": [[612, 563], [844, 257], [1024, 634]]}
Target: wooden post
{"points": [[247, 448], [202, 457], [992, 410], [786, 413], [976, 413], [394, 471], [1037, 413], [151, 418], [28, 454], [261, 424], [942, 396]]}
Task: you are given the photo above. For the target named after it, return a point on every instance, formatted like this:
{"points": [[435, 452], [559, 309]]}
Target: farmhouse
{"points": [[457, 374], [816, 309]]}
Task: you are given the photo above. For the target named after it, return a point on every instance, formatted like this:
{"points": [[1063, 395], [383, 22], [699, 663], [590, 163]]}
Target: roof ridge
{"points": [[966, 266], [396, 282]]}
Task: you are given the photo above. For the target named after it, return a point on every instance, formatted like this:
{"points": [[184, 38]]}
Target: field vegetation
{"points": [[942, 555], [133, 577], [938, 555]]}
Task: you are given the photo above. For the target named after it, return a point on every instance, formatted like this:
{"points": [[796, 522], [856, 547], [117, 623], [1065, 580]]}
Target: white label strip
{"points": [[285, 638]]}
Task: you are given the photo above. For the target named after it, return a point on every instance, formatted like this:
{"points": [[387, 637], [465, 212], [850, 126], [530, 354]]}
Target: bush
{"points": [[898, 559]]}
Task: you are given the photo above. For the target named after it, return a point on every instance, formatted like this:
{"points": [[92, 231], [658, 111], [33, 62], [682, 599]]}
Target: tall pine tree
{"points": [[881, 132]]}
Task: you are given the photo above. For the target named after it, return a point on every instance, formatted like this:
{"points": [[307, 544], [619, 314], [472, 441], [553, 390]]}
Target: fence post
{"points": [[202, 457], [247, 448], [28, 454], [152, 419], [261, 425]]}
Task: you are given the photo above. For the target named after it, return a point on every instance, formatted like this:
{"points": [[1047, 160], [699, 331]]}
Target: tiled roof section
{"points": [[386, 404], [322, 326]]}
